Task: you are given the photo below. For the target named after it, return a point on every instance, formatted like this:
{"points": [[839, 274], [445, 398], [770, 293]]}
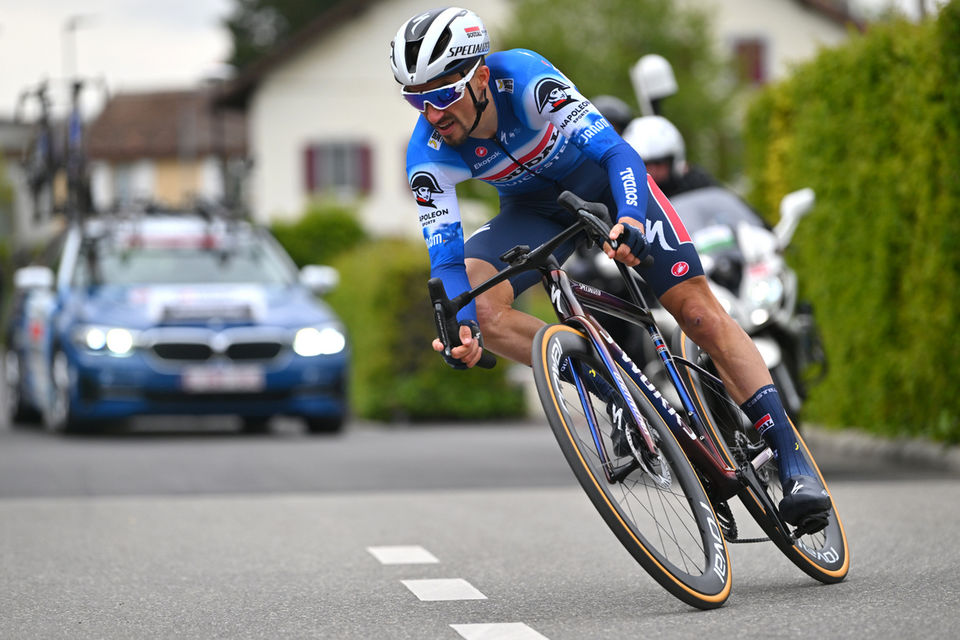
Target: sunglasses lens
{"points": [[416, 100], [440, 98]]}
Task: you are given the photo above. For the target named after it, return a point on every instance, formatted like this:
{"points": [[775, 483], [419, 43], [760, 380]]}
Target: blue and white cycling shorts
{"points": [[533, 218]]}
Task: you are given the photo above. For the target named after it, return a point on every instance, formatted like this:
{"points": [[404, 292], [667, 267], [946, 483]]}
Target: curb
{"points": [[903, 450]]}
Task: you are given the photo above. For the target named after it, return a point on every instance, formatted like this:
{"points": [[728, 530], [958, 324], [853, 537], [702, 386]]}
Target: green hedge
{"points": [[874, 128], [396, 375], [323, 232]]}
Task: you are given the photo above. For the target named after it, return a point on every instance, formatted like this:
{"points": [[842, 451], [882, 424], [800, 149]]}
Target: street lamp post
{"points": [[69, 45]]}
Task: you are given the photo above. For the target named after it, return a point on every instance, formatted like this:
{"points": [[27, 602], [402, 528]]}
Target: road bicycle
{"points": [[40, 158], [659, 463]]}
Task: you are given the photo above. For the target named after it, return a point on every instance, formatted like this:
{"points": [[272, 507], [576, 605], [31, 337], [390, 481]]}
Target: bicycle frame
{"points": [[570, 299]]}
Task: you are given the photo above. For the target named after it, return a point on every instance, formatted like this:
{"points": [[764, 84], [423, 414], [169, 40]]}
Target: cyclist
{"points": [[513, 120], [661, 146]]}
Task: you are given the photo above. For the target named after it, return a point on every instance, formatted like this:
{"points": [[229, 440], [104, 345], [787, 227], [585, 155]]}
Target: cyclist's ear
{"points": [[482, 76]]}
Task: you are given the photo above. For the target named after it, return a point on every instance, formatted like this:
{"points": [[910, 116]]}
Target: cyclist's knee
{"points": [[700, 316]]}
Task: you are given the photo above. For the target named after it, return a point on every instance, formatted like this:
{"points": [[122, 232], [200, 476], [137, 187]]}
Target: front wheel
{"points": [[823, 555], [652, 501], [57, 413]]}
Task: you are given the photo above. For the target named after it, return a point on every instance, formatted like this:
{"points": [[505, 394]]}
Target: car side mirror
{"points": [[793, 207], [33, 277], [320, 279]]}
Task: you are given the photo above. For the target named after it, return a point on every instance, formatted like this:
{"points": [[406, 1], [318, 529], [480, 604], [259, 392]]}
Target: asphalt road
{"points": [[187, 529]]}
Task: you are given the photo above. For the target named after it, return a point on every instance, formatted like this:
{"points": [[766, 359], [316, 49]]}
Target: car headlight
{"points": [[314, 341], [115, 341]]}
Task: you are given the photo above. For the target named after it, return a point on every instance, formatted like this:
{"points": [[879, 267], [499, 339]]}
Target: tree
{"points": [[256, 26], [596, 45]]}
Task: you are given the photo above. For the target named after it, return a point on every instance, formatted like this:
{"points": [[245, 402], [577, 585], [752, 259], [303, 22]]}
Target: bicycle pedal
{"points": [[812, 524]]}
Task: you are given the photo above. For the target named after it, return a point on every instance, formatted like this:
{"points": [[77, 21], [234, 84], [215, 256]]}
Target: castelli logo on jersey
{"points": [[481, 151], [680, 269]]}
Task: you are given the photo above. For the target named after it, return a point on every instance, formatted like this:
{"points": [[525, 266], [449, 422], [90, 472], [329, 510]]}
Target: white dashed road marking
{"points": [[502, 631], [410, 554], [444, 589]]}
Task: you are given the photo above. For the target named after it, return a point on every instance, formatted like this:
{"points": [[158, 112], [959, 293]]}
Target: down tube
{"points": [[666, 411]]}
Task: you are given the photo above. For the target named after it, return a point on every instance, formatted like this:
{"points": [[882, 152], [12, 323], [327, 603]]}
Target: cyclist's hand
{"points": [[624, 253], [469, 351]]}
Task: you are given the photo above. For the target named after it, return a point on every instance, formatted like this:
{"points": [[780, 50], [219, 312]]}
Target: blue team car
{"points": [[174, 314]]}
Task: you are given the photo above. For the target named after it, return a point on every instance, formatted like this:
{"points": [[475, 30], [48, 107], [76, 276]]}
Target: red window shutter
{"points": [[365, 159], [309, 170]]}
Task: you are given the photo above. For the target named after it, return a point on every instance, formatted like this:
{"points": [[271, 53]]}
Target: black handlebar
{"points": [[597, 221], [592, 217], [448, 329]]}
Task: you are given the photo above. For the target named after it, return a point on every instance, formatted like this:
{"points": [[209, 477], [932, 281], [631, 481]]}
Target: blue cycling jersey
{"points": [[545, 130]]}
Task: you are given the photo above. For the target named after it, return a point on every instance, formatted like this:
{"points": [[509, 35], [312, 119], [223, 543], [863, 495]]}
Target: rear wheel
{"points": [[653, 503], [823, 555], [18, 411]]}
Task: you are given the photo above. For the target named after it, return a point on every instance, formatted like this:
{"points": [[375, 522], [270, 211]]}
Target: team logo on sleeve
{"points": [[424, 185], [505, 85], [435, 140], [551, 91]]}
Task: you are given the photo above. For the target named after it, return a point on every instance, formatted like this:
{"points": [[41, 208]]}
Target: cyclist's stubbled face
{"points": [[454, 122]]}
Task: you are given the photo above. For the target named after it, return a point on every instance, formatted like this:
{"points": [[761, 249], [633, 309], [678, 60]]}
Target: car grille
{"points": [[182, 351], [253, 350], [200, 346]]}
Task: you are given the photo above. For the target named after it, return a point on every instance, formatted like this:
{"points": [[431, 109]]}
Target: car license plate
{"points": [[222, 379]]}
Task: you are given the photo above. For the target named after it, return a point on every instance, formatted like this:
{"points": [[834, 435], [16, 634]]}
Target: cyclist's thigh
{"points": [[674, 255], [520, 222]]}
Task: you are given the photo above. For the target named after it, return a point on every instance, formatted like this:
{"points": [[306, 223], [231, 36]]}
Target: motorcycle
{"points": [[743, 261]]}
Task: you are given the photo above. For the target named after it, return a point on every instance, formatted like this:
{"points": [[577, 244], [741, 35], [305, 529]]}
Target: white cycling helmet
{"points": [[655, 138], [437, 42]]}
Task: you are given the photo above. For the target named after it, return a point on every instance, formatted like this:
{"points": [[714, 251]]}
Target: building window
{"points": [[343, 168], [751, 60]]}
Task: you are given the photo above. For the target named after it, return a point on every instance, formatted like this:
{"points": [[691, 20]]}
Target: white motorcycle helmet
{"points": [[437, 42], [655, 138]]}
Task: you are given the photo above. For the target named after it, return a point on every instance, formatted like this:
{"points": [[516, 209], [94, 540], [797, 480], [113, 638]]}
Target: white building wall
{"points": [[792, 33]]}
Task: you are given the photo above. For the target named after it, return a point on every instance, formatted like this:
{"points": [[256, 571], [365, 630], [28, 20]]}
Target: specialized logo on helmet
{"points": [[551, 91], [414, 32], [424, 185]]}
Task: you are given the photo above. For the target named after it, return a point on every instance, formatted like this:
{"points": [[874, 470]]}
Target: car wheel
{"points": [[56, 413], [255, 424], [17, 410], [326, 424]]}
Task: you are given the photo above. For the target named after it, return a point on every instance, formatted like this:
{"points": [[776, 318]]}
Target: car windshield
{"points": [[144, 265], [712, 206]]}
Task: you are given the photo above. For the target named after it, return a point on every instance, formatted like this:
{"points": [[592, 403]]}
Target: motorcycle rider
{"points": [[661, 146], [616, 111], [528, 130]]}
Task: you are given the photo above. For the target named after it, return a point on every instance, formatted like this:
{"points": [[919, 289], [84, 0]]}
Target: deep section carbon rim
{"points": [[654, 504], [823, 555]]}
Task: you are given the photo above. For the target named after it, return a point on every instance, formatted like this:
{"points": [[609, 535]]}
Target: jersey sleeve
{"points": [[433, 182], [549, 95]]}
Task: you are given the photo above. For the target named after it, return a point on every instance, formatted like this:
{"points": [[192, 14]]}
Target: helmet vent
{"points": [[441, 45], [410, 53]]}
